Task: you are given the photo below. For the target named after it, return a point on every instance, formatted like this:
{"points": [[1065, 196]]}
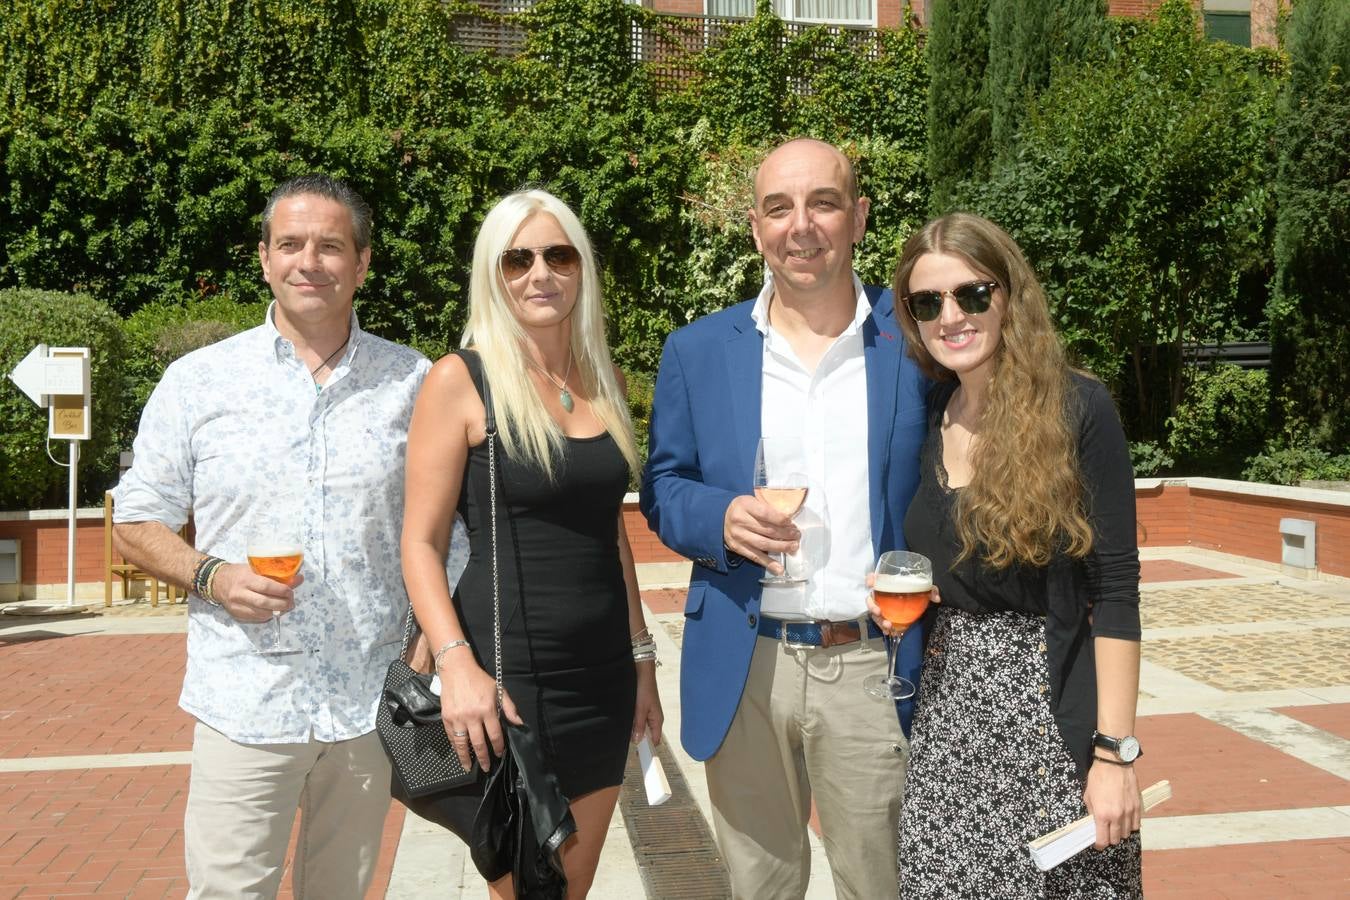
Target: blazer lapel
{"points": [[881, 357], [744, 353]]}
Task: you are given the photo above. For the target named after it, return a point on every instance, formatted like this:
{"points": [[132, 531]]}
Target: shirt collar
{"points": [[760, 312], [281, 346]]}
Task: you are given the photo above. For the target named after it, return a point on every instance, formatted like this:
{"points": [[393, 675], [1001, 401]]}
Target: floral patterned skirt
{"points": [[988, 772]]}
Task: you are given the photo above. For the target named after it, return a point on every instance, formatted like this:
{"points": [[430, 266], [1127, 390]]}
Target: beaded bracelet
{"points": [[204, 576], [210, 595]]}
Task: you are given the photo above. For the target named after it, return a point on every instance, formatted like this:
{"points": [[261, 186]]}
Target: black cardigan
{"points": [[1097, 596]]}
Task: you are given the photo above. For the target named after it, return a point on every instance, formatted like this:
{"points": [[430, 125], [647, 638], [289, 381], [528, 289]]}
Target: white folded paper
{"points": [[1052, 849], [653, 775]]}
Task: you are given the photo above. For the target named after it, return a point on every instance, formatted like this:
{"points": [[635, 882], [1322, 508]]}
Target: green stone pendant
{"points": [[565, 398]]}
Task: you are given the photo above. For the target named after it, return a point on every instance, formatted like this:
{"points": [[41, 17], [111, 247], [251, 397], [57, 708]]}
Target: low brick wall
{"points": [[42, 548], [1242, 518]]}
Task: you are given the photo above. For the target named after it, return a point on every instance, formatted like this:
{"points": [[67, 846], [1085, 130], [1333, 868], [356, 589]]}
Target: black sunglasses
{"points": [[973, 297], [561, 258]]}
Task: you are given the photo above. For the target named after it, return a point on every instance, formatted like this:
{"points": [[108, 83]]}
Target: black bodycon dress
{"points": [[567, 658]]}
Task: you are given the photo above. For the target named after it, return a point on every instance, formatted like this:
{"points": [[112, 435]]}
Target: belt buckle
{"points": [[793, 645]]}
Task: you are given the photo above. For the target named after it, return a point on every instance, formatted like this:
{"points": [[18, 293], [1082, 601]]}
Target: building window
{"points": [[1229, 20], [834, 12]]}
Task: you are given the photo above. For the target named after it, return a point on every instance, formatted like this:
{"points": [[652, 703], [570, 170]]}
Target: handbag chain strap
{"points": [[490, 426]]}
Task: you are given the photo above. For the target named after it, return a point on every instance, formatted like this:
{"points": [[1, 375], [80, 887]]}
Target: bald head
{"points": [[806, 147]]}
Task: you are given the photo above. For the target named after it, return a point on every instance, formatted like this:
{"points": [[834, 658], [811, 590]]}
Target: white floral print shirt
{"points": [[237, 432]]}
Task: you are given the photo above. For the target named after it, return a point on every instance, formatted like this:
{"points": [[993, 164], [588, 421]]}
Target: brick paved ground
{"points": [[107, 832], [1245, 709]]}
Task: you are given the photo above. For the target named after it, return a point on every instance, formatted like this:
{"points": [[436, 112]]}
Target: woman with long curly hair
{"points": [[1026, 707]]}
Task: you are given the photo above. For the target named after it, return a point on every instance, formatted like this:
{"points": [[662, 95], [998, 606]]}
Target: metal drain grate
{"points": [[673, 844]]}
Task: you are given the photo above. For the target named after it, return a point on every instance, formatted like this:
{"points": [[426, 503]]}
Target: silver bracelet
{"points": [[448, 646], [645, 650]]}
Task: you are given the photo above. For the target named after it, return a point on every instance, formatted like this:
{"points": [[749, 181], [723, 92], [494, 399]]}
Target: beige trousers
{"points": [[805, 728], [242, 802]]}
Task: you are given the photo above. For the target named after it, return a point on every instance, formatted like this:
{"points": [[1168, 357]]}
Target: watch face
{"points": [[1129, 749]]}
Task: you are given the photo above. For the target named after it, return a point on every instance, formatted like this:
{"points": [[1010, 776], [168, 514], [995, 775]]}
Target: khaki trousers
{"points": [[805, 728], [242, 802]]}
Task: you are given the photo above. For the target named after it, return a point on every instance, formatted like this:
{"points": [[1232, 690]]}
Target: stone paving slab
{"points": [[1265, 871], [1258, 662], [1214, 769], [1332, 718], [1224, 604]]}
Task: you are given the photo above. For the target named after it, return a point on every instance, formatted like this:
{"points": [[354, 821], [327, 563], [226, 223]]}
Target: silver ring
{"points": [[459, 734]]}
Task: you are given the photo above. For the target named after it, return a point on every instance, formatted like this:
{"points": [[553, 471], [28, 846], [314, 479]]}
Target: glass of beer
{"points": [[903, 586], [779, 484], [275, 552]]}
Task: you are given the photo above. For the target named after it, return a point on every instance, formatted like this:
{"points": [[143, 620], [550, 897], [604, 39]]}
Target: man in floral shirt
{"points": [[297, 425]]}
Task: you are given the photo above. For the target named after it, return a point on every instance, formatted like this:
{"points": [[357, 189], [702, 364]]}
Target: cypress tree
{"points": [[1027, 38], [958, 111], [1311, 344]]}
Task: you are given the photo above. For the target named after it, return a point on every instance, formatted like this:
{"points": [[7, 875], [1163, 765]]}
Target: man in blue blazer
{"points": [[771, 691]]}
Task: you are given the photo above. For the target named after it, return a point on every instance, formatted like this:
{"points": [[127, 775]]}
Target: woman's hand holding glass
{"points": [[902, 586], [469, 709]]}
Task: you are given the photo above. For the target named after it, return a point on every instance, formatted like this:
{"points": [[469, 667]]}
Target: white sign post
{"points": [[59, 380]]}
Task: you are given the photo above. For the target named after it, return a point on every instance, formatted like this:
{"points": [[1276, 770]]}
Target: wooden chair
{"points": [[123, 570]]}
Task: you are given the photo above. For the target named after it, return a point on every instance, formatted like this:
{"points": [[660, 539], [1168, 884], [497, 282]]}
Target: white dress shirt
{"points": [[239, 429], [827, 410]]}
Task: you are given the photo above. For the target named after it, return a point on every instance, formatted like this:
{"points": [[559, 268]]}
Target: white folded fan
{"points": [[1052, 849], [653, 775]]}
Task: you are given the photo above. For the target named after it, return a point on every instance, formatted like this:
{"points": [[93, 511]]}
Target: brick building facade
{"points": [[1243, 21]]}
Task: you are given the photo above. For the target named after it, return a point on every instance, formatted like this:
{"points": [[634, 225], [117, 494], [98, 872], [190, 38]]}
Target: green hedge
{"points": [[1141, 192], [139, 139], [1311, 343]]}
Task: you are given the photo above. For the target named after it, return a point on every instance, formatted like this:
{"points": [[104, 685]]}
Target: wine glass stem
{"points": [[891, 644]]}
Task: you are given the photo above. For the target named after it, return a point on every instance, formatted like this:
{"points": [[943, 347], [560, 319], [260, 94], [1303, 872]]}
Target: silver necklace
{"points": [[564, 395]]}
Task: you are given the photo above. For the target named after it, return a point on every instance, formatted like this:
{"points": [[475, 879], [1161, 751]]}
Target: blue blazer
{"points": [[705, 426]]}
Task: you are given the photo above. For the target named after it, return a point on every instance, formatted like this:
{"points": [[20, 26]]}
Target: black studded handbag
{"points": [[409, 723]]}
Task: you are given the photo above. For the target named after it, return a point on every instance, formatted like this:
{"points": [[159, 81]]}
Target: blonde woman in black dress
{"points": [[577, 666], [1026, 709]]}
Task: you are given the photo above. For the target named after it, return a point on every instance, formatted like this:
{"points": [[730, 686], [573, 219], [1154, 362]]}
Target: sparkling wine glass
{"points": [[275, 551], [902, 589], [779, 483]]}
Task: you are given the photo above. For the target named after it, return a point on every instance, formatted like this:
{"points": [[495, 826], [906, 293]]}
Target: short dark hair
{"points": [[321, 185]]}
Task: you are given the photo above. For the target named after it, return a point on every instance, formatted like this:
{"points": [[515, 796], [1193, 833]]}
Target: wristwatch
{"points": [[1126, 748]]}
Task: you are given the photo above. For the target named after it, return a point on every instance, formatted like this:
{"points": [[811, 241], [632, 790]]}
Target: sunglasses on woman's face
{"points": [[561, 258], [973, 297]]}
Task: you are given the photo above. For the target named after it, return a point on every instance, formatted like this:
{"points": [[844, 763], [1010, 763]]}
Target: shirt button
{"points": [[752, 620], [1040, 729], [1041, 648], [1041, 771], [1044, 688], [1041, 813]]}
